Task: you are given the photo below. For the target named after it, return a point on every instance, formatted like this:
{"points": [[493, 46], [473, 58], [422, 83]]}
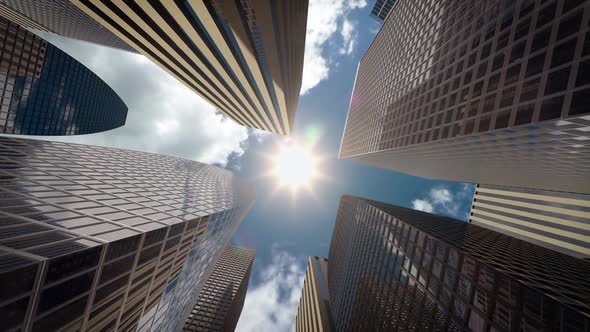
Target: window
{"points": [[551, 109]]}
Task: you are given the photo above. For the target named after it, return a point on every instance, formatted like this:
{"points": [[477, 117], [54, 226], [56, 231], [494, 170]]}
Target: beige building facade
{"points": [[313, 313], [555, 220], [245, 58]]}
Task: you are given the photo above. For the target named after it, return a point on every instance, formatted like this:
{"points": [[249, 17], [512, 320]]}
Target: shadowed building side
{"points": [[314, 313], [221, 301], [60, 17], [556, 220], [44, 91], [396, 269], [491, 92]]}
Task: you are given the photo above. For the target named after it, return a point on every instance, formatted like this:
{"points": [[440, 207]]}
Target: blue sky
{"points": [[165, 117], [297, 228]]}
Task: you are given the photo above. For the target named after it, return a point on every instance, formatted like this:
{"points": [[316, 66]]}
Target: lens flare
{"points": [[295, 166]]}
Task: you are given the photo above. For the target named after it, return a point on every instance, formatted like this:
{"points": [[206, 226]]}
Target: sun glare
{"points": [[295, 166]]}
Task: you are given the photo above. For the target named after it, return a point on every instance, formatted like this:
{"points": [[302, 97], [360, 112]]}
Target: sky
{"points": [[166, 117]]}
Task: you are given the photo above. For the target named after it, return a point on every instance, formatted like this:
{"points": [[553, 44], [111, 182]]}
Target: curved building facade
{"points": [[108, 239], [47, 92]]}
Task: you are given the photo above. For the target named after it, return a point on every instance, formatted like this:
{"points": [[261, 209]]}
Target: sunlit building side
{"points": [[556, 220], [314, 313], [244, 57], [95, 238]]}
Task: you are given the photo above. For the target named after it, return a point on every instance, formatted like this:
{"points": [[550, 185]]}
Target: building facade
{"points": [[222, 298], [95, 238], [396, 269], [555, 220], [314, 313], [44, 91], [61, 17], [244, 57], [381, 9], [491, 92]]}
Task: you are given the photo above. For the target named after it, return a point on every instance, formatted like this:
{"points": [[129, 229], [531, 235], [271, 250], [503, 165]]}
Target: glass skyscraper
{"points": [[222, 298], [244, 57], [95, 238], [396, 269], [491, 92], [381, 9], [44, 91]]}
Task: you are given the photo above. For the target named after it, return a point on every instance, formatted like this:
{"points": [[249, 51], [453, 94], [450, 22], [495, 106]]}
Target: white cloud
{"points": [[443, 201], [422, 205], [349, 35], [164, 116], [324, 19], [272, 305], [441, 196]]}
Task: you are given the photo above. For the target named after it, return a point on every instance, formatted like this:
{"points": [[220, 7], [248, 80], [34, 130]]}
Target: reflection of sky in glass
{"points": [[58, 199], [47, 92]]}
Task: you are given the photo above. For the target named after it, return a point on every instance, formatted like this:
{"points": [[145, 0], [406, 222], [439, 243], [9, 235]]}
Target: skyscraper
{"points": [[244, 57], [556, 220], [44, 91], [313, 313], [396, 269], [96, 238], [61, 17], [381, 9], [491, 92], [222, 298]]}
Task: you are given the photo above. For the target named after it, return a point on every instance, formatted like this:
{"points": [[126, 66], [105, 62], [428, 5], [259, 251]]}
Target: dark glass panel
{"points": [[73, 263]]}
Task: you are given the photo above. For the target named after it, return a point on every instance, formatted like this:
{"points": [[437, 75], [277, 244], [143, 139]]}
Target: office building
{"points": [[381, 9], [95, 238], [44, 91], [61, 17], [396, 269], [222, 298], [555, 220], [313, 313], [244, 57], [492, 92]]}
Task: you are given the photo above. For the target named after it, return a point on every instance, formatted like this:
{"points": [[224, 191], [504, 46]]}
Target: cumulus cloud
{"points": [[422, 205], [324, 20], [272, 304], [349, 35], [444, 201], [164, 116]]}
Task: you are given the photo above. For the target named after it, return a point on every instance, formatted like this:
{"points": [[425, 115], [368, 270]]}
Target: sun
{"points": [[295, 166]]}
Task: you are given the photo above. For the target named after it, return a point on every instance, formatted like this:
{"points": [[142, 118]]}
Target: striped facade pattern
{"points": [[556, 220], [60, 17], [313, 313], [244, 57], [18, 18]]}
